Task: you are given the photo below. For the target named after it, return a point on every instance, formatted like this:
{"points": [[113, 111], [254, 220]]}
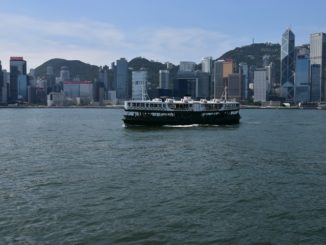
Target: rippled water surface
{"points": [[77, 176]]}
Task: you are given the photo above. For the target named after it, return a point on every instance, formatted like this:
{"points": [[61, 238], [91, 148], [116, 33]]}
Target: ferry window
{"points": [[137, 104], [151, 105], [133, 104], [129, 104], [142, 104]]}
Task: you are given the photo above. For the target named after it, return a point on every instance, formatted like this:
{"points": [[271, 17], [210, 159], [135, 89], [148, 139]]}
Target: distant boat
{"points": [[321, 106]]}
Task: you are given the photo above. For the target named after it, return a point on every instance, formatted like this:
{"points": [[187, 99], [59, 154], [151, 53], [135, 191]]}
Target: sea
{"points": [[78, 176]]}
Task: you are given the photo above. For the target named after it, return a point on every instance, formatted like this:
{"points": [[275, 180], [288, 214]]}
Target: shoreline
{"points": [[242, 107], [62, 107]]}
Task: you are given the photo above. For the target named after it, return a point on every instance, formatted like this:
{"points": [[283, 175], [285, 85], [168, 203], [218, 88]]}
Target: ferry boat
{"points": [[159, 112]]}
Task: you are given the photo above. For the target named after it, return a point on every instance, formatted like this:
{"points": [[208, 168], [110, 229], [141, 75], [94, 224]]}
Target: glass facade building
{"points": [[318, 64], [315, 82], [287, 65], [164, 76], [302, 84], [17, 67], [121, 77], [139, 84]]}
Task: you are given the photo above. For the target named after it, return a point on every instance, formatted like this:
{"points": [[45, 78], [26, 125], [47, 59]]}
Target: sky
{"points": [[99, 32]]}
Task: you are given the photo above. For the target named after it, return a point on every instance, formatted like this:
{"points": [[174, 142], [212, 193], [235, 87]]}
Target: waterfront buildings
{"points": [[64, 73], [206, 64], [164, 76], [218, 79], [234, 86], [121, 79], [189, 82], [81, 92], [287, 65], [187, 66], [318, 66], [139, 84], [18, 78], [261, 84], [244, 76], [103, 77], [301, 81], [3, 91], [222, 70]]}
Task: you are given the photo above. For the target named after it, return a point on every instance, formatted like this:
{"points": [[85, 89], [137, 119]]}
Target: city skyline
{"points": [[100, 32]]}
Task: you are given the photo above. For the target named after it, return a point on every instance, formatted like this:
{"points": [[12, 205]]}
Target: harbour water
{"points": [[77, 176]]}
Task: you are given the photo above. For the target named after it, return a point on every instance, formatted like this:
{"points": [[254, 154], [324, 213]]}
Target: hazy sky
{"points": [[101, 31]]}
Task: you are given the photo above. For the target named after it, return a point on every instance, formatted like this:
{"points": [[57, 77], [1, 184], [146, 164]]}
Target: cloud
{"points": [[101, 43]]}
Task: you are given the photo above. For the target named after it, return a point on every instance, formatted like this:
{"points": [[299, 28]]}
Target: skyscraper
{"points": [[2, 95], [121, 78], [287, 65], [218, 79], [64, 73], [244, 76], [164, 76], [318, 66], [139, 84], [17, 68], [206, 64], [261, 84], [302, 83]]}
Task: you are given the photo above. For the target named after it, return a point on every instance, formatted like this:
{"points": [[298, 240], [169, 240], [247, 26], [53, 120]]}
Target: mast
{"points": [[225, 93]]}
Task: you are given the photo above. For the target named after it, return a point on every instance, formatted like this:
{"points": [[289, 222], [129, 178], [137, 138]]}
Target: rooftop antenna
{"points": [[253, 40]]}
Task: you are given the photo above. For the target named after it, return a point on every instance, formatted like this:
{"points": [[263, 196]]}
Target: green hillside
{"points": [[77, 69], [251, 54]]}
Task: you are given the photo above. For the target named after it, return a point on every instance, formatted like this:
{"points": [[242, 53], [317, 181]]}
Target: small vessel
{"points": [[321, 106], [186, 111]]}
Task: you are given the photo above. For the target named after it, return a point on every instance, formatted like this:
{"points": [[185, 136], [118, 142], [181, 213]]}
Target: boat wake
{"points": [[190, 126]]}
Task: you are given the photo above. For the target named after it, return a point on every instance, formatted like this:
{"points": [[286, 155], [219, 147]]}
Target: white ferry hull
{"points": [[182, 119]]}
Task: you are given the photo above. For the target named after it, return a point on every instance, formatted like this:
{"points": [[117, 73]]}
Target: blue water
{"points": [[77, 176]]}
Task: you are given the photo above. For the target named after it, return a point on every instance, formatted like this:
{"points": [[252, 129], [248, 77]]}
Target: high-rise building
{"points": [[187, 66], [222, 70], [261, 84], [206, 64], [64, 73], [121, 79], [218, 79], [139, 84], [287, 65], [234, 86], [318, 66], [228, 68], [244, 76], [3, 87], [82, 90], [301, 81], [103, 77], [164, 76], [50, 77], [17, 68]]}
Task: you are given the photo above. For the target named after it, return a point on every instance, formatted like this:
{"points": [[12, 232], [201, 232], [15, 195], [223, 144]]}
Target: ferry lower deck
{"points": [[181, 118]]}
